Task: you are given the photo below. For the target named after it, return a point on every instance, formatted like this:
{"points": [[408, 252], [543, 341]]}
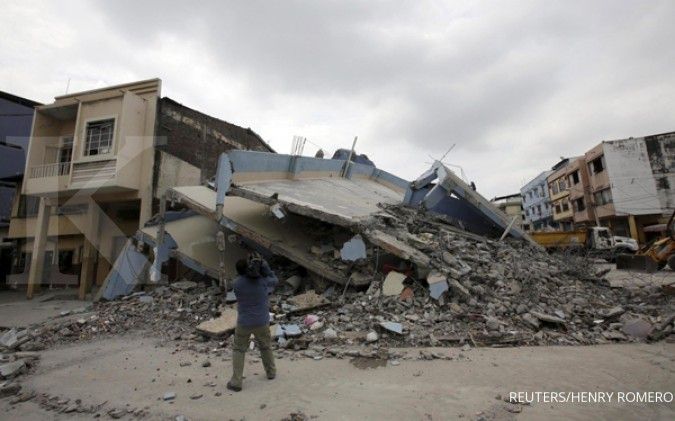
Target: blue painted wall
{"points": [[16, 118]]}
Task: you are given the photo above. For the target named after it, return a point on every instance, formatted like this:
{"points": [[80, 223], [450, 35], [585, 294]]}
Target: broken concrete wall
{"points": [[458, 212], [174, 172], [196, 248], [440, 190], [198, 139], [661, 151]]}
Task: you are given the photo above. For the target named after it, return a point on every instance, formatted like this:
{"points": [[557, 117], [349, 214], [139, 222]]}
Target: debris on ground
{"points": [[391, 276]]}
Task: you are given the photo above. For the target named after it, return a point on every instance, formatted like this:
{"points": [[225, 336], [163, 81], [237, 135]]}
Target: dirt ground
{"points": [[136, 372], [17, 311], [624, 278]]}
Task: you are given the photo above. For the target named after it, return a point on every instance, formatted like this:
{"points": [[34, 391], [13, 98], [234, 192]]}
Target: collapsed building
{"points": [[376, 258]]}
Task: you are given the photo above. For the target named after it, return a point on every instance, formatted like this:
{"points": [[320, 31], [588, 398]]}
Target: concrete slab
{"points": [[440, 190], [220, 326], [310, 186], [195, 237], [307, 301], [253, 221]]}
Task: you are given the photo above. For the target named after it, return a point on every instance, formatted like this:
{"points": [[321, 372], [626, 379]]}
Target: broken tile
{"points": [[392, 327], [353, 249], [407, 294], [291, 330], [393, 283], [438, 284]]}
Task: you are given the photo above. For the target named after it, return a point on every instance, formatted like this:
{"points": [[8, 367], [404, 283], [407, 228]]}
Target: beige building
{"points": [[512, 206], [97, 163], [580, 197], [559, 195]]}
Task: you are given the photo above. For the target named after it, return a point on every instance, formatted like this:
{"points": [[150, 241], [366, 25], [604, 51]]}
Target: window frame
{"points": [[577, 202], [113, 141], [591, 165], [62, 148]]}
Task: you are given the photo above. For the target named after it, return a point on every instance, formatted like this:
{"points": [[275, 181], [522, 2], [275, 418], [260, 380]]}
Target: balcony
{"points": [[49, 170]]}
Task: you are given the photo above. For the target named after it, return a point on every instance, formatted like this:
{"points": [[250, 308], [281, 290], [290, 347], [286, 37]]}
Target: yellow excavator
{"points": [[654, 256]]}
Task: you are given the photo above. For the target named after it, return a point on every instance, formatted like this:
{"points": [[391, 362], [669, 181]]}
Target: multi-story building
{"points": [[512, 206], [98, 161], [537, 205], [631, 183], [16, 116], [559, 195], [580, 193]]}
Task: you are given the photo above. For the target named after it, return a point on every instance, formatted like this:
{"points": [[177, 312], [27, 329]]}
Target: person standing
{"points": [[252, 287]]}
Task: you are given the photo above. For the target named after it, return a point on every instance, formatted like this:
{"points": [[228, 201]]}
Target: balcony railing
{"points": [[50, 170]]}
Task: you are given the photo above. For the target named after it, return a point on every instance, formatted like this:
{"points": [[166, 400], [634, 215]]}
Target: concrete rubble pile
{"points": [[493, 293], [415, 267]]}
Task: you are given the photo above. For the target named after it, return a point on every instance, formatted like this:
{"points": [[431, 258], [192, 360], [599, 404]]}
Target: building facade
{"points": [[630, 183], [580, 194], [98, 162], [512, 206], [537, 205], [559, 195]]}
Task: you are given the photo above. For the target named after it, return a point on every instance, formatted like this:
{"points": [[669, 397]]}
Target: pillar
{"points": [[37, 263], [632, 225], [91, 240]]}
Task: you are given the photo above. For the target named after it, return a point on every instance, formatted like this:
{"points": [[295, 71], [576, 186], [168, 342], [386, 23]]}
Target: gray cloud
{"points": [[513, 84]]}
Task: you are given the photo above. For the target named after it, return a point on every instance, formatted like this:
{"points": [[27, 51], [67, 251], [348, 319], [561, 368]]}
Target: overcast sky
{"points": [[515, 85]]}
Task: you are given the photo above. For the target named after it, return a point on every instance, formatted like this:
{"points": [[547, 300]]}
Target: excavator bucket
{"points": [[637, 263]]}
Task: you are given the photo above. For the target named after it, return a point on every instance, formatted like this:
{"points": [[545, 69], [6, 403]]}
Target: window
{"points": [[603, 197], [557, 208], [562, 185], [554, 188], [574, 178], [597, 165], [579, 205], [28, 206], [66, 149], [99, 137], [22, 262], [538, 209], [565, 206], [66, 261]]}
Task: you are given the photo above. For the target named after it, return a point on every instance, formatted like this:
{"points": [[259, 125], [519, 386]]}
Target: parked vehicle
{"points": [[654, 256], [596, 241]]}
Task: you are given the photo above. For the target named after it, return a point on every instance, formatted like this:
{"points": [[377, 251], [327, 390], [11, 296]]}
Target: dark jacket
{"points": [[252, 298]]}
